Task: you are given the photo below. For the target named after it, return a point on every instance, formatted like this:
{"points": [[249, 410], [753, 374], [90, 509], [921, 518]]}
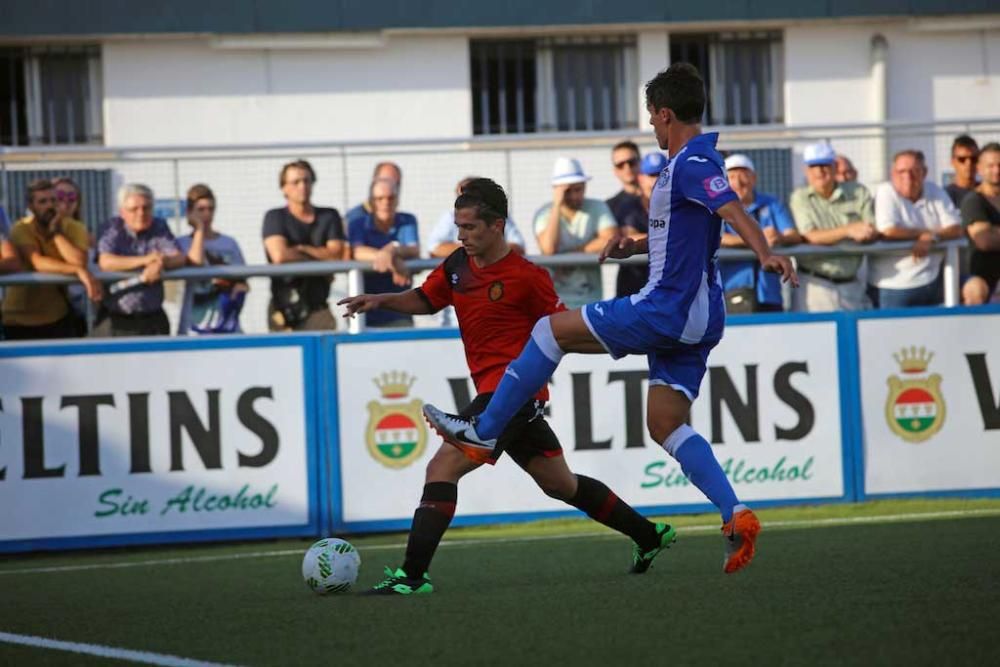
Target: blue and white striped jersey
{"points": [[683, 298]]}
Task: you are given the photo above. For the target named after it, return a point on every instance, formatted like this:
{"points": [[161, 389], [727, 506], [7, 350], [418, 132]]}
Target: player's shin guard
{"points": [[701, 467], [430, 521], [602, 505], [522, 380]]}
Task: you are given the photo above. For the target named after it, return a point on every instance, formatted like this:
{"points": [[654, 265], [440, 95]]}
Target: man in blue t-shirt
{"points": [[674, 321], [750, 289], [386, 238]]}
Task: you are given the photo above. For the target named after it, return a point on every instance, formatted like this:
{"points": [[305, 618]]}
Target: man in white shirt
{"points": [[910, 208]]}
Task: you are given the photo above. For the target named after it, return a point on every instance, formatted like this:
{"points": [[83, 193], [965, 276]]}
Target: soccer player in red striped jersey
{"points": [[498, 296]]}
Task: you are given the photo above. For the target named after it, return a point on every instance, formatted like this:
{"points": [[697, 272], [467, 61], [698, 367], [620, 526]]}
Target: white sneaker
{"points": [[460, 432]]}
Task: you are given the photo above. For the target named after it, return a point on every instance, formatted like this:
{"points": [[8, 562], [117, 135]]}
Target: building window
{"points": [[50, 95], [743, 71], [570, 84]]}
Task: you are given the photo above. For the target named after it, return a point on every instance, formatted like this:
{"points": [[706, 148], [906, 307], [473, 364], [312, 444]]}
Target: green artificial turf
{"points": [[908, 592]]}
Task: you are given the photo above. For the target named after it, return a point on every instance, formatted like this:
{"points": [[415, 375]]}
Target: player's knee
{"points": [[555, 484], [661, 425], [447, 465], [545, 339]]}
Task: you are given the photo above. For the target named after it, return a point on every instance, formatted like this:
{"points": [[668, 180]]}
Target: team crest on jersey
{"points": [[715, 186], [914, 409], [661, 182], [395, 434], [496, 291]]}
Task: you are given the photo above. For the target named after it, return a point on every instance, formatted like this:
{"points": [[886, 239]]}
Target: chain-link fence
{"points": [[245, 179]]}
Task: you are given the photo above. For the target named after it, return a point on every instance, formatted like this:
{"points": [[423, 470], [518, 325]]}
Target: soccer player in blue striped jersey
{"points": [[675, 320]]}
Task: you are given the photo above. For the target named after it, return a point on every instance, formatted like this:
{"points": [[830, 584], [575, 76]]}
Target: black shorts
{"points": [[526, 436]]}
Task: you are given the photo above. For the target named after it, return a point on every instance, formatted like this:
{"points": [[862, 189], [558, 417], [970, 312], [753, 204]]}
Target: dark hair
{"points": [[629, 144], [297, 164], [66, 180], [964, 141], [37, 185], [199, 191], [486, 197], [910, 152], [679, 88], [992, 147]]}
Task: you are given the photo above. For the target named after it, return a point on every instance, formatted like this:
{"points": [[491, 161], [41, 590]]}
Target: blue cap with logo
{"points": [[653, 164]]}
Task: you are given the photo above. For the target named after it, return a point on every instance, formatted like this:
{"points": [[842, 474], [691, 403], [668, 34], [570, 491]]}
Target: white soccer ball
{"points": [[331, 566]]}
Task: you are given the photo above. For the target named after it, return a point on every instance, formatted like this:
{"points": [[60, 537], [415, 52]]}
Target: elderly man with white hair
{"points": [[136, 241], [574, 223]]}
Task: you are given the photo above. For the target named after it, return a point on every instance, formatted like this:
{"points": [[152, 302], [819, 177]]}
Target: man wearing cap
{"points": [[749, 288], [826, 213], [573, 223]]}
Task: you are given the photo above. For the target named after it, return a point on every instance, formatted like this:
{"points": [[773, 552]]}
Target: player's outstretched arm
{"points": [[750, 232], [622, 247], [409, 302]]}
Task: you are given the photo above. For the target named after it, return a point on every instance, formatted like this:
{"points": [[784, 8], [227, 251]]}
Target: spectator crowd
{"points": [[831, 209]]}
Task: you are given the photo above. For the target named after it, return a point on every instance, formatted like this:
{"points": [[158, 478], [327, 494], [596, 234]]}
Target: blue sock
{"points": [[701, 467], [522, 380]]}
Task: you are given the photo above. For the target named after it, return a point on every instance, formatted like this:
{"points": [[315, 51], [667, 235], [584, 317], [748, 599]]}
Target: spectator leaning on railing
{"points": [[911, 208], [138, 241], [964, 156], [69, 202], [301, 232], [48, 243], [826, 213], [386, 237], [210, 306], [383, 171], [750, 289], [9, 263], [981, 217], [631, 207], [573, 223]]}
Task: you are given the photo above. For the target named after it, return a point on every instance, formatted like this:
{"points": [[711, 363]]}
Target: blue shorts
{"points": [[619, 328]]}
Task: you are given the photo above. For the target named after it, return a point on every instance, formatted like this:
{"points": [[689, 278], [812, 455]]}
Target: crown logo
{"points": [[395, 384], [913, 360]]}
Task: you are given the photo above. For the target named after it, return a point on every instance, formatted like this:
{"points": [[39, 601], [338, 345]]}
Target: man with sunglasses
{"points": [[964, 156], [574, 223], [629, 209]]}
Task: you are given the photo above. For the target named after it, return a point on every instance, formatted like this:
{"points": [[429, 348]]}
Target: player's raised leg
{"points": [[430, 521], [551, 338], [601, 504], [666, 414]]}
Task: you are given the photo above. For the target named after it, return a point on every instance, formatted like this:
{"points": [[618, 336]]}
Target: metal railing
{"points": [[354, 270]]}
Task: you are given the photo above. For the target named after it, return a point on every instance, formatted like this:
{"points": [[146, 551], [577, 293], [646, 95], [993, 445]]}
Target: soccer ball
{"points": [[331, 566]]}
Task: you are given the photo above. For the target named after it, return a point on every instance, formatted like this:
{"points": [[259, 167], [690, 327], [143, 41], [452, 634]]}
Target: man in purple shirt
{"points": [[138, 241]]}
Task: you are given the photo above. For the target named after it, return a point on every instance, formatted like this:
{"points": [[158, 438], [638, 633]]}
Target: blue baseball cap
{"points": [[652, 164]]}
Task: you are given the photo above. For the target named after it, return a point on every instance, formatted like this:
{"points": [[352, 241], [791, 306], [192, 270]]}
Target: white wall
{"points": [[187, 92]]}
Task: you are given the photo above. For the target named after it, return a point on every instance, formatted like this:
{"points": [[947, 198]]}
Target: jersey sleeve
{"points": [[436, 289], [704, 182]]}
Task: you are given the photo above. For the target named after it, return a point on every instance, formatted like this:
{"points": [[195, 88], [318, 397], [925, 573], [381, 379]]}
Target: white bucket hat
{"points": [[567, 171]]}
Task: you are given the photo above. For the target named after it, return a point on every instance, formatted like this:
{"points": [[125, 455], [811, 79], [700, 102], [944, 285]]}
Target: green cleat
{"points": [[397, 583], [641, 560]]}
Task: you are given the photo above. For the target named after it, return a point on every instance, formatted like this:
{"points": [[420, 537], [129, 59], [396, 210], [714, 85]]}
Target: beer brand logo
{"points": [[915, 407], [396, 435], [496, 291]]}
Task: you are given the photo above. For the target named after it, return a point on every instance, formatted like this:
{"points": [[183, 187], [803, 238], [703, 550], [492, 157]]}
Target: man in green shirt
{"points": [[826, 213], [574, 223]]}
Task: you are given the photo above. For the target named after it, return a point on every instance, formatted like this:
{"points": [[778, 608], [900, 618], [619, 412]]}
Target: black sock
{"points": [[602, 505], [437, 507]]}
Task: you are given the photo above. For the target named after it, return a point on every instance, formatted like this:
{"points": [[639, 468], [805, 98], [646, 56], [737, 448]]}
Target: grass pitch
{"points": [[831, 585]]}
